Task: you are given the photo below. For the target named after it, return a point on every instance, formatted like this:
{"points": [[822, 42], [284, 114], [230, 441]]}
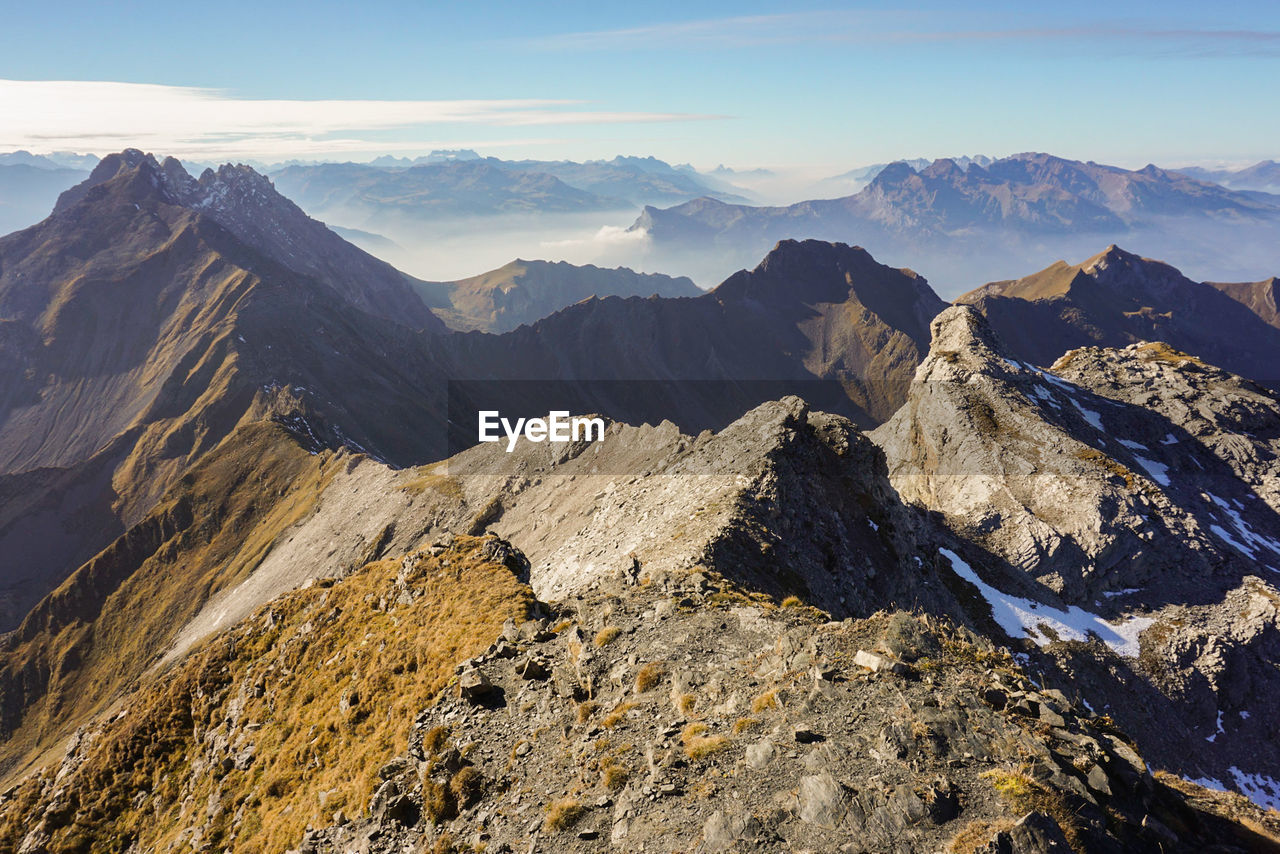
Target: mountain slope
{"points": [[663, 698], [1124, 495], [525, 291], [138, 330], [825, 315], [1117, 298]]}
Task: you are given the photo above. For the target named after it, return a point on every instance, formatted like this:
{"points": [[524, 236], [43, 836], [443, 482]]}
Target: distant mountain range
{"points": [[1263, 175], [55, 160], [856, 179], [967, 224], [391, 192], [523, 292]]}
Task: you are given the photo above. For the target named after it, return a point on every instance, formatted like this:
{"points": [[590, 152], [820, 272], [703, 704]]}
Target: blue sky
{"points": [[832, 85]]}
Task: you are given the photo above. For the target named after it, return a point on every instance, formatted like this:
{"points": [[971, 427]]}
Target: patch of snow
{"points": [[1018, 616], [1244, 715], [1094, 419], [1219, 732], [1041, 393], [1111, 594], [872, 523], [1250, 542], [1169, 440], [1207, 782], [1159, 472], [1133, 446], [1259, 788]]}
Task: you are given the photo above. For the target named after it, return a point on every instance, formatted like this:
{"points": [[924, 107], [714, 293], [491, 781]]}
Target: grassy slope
{"points": [[322, 683]]}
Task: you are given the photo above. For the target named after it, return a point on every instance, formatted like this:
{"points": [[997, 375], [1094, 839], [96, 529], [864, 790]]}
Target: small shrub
{"points": [[438, 803], [767, 700], [685, 703], [585, 710], [697, 744], [615, 717], [435, 740], [613, 775], [467, 786], [607, 634], [562, 814], [649, 677], [791, 602], [741, 725], [975, 835]]}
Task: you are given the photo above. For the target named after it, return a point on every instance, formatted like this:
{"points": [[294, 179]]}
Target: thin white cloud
{"points": [[47, 115], [904, 26]]}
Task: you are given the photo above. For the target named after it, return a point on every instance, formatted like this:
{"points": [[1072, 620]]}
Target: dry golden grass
{"points": [[435, 740], [562, 814], [1024, 795], [742, 725], [649, 676], [613, 775], [450, 487], [605, 635], [685, 703], [585, 710], [697, 744], [791, 602], [767, 700], [975, 835], [207, 534], [616, 716], [319, 645]]}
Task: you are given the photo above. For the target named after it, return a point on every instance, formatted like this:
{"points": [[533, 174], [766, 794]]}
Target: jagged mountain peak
{"points": [[960, 332], [246, 204]]}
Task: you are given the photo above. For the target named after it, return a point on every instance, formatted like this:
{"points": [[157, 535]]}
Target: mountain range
{"points": [[967, 224], [382, 195], [1262, 176], [265, 590]]}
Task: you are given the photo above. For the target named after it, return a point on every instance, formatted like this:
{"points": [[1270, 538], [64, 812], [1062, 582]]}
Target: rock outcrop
{"points": [[1126, 495]]}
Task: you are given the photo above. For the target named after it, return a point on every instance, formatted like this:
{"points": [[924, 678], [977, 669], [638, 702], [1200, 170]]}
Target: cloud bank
{"points": [[48, 115]]}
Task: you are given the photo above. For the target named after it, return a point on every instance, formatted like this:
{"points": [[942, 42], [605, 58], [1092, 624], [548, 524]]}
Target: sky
{"points": [[822, 85]]}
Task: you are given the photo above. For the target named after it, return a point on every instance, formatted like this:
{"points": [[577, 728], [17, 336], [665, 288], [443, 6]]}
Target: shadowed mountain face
{"points": [[148, 316], [1117, 298], [809, 311], [523, 292], [971, 223]]}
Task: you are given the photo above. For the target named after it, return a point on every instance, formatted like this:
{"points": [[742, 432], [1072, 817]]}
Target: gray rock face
{"points": [[1128, 494]]}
